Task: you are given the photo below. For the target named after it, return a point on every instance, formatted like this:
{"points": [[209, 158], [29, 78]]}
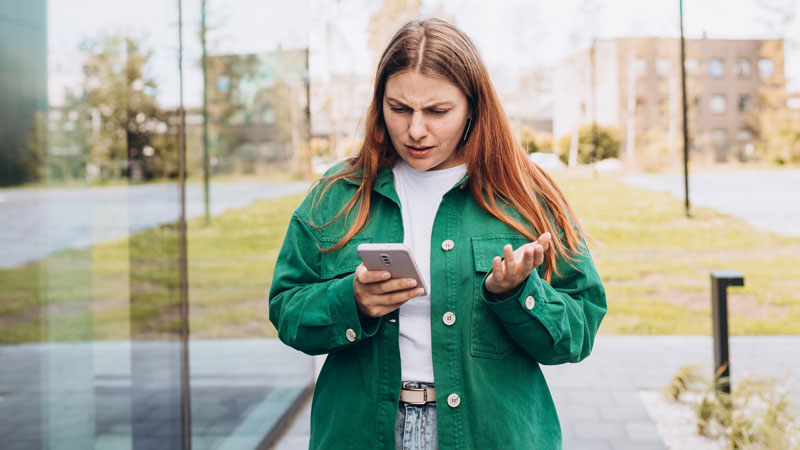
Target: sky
{"points": [[512, 35]]}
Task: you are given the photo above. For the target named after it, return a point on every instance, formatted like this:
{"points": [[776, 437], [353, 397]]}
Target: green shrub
{"points": [[608, 143], [756, 415]]}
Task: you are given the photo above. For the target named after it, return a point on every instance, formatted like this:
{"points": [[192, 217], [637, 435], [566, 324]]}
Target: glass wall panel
{"points": [[248, 124], [90, 305], [94, 346]]}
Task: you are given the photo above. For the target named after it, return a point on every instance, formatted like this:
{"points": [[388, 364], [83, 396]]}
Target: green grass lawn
{"points": [[130, 288], [654, 261]]}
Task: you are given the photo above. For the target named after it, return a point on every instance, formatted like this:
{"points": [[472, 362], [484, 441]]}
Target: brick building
{"points": [[634, 84]]}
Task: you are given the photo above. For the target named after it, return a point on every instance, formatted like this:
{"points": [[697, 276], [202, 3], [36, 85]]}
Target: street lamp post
{"points": [[685, 121], [206, 165]]}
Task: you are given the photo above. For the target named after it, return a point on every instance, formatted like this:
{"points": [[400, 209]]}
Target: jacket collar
{"points": [[384, 183]]}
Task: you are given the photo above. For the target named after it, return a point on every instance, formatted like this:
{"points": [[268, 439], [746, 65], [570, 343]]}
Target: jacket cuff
{"points": [[345, 310], [514, 309]]}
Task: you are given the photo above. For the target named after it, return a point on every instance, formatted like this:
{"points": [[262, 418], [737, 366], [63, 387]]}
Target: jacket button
{"points": [[448, 245], [530, 302], [351, 335], [453, 400], [449, 318]]}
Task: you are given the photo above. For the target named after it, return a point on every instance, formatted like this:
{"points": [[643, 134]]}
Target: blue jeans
{"points": [[415, 428]]}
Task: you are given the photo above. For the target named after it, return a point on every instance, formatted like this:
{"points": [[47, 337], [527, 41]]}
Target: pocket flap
{"points": [[485, 248]]}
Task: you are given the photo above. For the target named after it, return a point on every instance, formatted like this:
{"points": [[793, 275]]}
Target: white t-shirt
{"points": [[420, 194]]}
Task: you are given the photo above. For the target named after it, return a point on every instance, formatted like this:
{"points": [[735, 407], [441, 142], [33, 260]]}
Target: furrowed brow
{"points": [[445, 103]]}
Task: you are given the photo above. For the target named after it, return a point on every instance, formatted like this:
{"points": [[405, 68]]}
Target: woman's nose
{"points": [[417, 128]]}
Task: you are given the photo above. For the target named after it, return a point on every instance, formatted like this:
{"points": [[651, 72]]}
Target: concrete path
{"points": [[768, 199], [123, 395], [37, 222], [598, 399]]}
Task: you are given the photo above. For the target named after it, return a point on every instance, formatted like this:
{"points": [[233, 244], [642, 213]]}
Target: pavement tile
{"points": [[642, 431], [570, 412], [626, 412], [589, 397], [585, 444], [598, 429], [628, 445], [626, 397]]}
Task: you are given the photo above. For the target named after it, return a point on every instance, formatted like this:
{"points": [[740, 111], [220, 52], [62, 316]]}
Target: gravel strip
{"points": [[676, 423]]}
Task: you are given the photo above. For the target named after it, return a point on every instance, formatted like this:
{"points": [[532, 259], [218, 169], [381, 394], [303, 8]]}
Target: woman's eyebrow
{"points": [[432, 105]]}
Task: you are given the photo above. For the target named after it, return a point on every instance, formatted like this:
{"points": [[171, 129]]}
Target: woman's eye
{"points": [[439, 112], [399, 110]]}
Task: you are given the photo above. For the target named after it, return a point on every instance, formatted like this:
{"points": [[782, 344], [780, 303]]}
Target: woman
{"points": [[512, 283]]}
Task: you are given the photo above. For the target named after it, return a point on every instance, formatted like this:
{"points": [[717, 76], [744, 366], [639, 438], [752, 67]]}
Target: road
{"points": [[768, 199], [37, 222]]}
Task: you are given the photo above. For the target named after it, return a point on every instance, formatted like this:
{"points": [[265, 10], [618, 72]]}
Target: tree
{"points": [[608, 143], [69, 138], [392, 15], [774, 123], [121, 99]]}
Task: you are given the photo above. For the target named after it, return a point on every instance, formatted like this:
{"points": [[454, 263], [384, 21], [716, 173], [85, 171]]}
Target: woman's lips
{"points": [[418, 152]]}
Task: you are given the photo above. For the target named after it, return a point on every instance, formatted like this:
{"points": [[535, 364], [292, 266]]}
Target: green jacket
{"points": [[489, 357]]}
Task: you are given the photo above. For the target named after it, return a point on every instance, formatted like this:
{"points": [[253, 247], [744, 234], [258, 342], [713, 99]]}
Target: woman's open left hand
{"points": [[509, 272]]}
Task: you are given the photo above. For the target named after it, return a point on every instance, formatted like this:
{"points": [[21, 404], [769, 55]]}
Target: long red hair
{"points": [[500, 173]]}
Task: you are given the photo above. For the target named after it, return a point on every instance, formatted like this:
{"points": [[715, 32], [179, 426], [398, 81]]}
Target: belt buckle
{"points": [[424, 395]]}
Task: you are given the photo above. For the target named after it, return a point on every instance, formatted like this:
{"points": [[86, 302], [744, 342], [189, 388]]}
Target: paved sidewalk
{"points": [[122, 395], [764, 198], [598, 400]]}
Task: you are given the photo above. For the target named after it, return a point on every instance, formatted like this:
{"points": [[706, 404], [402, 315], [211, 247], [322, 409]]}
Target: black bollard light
{"points": [[720, 280]]}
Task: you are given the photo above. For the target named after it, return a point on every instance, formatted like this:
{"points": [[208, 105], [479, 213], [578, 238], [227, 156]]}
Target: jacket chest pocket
{"points": [[488, 337], [341, 262]]}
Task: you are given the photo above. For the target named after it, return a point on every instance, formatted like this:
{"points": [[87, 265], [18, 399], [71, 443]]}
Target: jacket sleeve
{"points": [[566, 313], [312, 314]]}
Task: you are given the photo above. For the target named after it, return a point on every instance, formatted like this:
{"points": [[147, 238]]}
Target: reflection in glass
{"points": [[88, 306]]}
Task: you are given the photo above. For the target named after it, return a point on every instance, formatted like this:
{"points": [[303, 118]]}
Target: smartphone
{"points": [[395, 258]]}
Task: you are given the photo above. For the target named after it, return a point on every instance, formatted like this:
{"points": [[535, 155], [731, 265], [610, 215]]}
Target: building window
{"points": [[744, 136], [223, 83], [766, 68], [640, 67], [743, 67], [716, 68], [696, 105], [696, 141], [718, 104], [743, 102], [745, 141], [268, 116], [719, 139], [692, 66], [663, 68]]}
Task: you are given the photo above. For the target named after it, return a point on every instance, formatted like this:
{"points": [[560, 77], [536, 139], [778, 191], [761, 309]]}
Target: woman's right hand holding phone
{"points": [[377, 294]]}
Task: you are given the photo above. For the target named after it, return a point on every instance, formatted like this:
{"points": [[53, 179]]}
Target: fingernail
{"points": [[412, 283], [420, 291], [385, 275]]}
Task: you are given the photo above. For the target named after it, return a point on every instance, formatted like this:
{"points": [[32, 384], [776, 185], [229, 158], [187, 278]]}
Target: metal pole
{"points": [[720, 280], [595, 137], [206, 165], [186, 406], [685, 121]]}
